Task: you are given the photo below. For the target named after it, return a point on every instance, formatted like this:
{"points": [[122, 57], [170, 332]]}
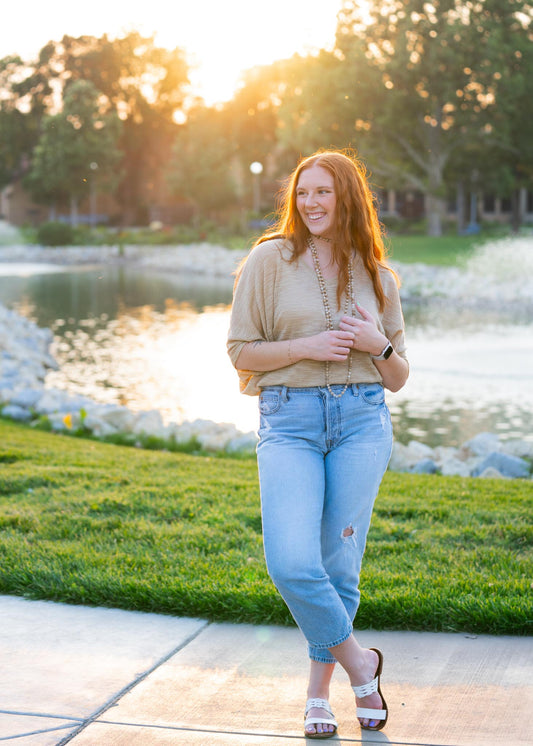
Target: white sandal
{"points": [[364, 690], [324, 705]]}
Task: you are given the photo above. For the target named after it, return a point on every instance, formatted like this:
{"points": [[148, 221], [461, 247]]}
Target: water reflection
{"points": [[89, 292], [174, 361], [155, 341]]}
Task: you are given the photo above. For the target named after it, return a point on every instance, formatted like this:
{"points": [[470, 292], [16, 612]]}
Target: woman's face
{"points": [[316, 200]]}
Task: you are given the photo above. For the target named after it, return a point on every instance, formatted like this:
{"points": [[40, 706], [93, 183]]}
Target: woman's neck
{"points": [[318, 239], [323, 244], [324, 249]]}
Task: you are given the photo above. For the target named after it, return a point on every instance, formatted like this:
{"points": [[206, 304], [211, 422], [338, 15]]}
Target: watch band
{"points": [[385, 353]]}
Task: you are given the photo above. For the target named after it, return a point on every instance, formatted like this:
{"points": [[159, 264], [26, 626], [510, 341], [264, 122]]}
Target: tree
{"points": [[146, 85], [411, 85], [314, 111], [84, 133], [436, 67], [251, 115], [201, 166], [25, 92]]}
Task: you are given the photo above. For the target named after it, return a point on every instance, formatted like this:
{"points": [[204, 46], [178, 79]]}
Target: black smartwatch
{"points": [[385, 353]]}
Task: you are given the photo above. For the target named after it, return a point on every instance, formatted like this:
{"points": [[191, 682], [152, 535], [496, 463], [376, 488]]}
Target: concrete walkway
{"points": [[95, 676]]}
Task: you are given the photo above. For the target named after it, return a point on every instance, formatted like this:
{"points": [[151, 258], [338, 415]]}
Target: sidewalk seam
{"points": [[118, 696]]}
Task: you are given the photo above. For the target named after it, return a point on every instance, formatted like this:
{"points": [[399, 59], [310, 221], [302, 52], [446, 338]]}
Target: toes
{"points": [[319, 728], [369, 723]]}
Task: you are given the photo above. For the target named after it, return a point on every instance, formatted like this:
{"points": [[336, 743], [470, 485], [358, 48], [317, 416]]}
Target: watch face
{"points": [[388, 352]]}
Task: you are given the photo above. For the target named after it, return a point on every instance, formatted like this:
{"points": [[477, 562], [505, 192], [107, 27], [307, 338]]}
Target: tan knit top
{"points": [[276, 299]]}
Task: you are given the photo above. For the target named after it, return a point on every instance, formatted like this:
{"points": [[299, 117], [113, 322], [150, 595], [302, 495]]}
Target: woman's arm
{"points": [[265, 356], [394, 371]]}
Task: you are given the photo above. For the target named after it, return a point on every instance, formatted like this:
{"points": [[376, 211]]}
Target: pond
{"points": [[153, 340]]}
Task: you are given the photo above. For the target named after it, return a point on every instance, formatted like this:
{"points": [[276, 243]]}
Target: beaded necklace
{"points": [[349, 304]]}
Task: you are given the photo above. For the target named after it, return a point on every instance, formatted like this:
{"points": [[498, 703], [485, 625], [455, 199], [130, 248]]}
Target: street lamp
{"points": [[92, 194], [257, 169]]}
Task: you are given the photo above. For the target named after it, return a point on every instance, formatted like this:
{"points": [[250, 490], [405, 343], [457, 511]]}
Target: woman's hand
{"points": [[333, 345], [367, 336]]}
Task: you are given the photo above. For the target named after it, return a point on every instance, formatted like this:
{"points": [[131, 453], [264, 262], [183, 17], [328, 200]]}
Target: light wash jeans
{"points": [[321, 460]]}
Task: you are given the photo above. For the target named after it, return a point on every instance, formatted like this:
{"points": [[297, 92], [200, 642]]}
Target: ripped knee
{"points": [[348, 534]]}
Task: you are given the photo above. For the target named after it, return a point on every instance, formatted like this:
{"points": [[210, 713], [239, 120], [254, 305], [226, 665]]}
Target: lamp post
{"points": [[92, 194], [256, 169]]}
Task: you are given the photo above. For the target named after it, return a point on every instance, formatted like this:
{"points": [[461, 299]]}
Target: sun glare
{"points": [[221, 39], [234, 36]]}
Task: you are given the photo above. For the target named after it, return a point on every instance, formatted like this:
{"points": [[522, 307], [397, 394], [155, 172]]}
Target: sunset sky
{"points": [[221, 38]]}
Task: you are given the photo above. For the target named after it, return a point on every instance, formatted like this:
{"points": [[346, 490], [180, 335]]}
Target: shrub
{"points": [[55, 234]]}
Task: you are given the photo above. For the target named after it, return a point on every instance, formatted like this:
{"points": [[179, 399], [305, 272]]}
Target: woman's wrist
{"points": [[296, 350], [379, 345], [384, 352]]}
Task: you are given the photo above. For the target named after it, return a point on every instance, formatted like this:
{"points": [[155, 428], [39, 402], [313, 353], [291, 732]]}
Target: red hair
{"points": [[356, 217]]}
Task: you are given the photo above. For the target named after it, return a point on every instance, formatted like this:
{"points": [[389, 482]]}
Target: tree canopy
{"points": [[423, 90], [415, 85], [74, 144]]}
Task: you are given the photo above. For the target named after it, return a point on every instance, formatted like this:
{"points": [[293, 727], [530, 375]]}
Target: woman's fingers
{"points": [[344, 336], [365, 314], [342, 343]]}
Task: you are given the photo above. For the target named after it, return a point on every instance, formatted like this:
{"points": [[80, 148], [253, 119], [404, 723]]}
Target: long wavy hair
{"points": [[356, 219]]}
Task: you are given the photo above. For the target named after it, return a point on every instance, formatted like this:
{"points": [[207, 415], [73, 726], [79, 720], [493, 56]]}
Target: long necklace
{"points": [[327, 311]]}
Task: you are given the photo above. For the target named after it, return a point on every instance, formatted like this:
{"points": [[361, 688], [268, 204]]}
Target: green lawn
{"points": [[94, 523], [442, 250], [445, 250]]}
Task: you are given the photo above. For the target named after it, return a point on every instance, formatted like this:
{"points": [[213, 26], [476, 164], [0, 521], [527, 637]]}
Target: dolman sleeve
{"points": [[253, 306]]}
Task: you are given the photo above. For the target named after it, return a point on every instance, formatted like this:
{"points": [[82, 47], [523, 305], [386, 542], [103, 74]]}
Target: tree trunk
{"points": [[436, 205], [515, 211], [435, 213], [460, 203]]}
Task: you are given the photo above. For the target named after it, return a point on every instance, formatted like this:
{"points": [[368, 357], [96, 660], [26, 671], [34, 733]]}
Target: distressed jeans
{"points": [[321, 460]]}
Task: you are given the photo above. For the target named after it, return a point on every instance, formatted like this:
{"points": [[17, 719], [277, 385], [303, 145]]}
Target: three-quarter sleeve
{"points": [[392, 319]]}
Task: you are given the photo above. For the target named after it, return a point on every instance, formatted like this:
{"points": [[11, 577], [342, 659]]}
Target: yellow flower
{"points": [[67, 420]]}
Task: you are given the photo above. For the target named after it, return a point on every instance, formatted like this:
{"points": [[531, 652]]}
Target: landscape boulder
{"points": [[508, 466]]}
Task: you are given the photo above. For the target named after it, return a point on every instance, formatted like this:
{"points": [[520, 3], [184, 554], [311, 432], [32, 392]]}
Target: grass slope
{"points": [[442, 251], [94, 523]]}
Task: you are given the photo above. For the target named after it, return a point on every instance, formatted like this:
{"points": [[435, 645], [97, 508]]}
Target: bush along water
{"points": [[25, 360], [55, 233]]}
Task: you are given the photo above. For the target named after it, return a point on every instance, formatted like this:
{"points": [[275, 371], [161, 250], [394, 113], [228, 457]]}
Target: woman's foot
{"points": [[319, 720], [370, 670]]}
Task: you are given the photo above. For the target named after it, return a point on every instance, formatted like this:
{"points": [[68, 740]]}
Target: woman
{"points": [[317, 332]]}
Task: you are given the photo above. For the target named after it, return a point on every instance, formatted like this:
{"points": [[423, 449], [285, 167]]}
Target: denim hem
{"points": [[339, 641], [330, 659]]}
